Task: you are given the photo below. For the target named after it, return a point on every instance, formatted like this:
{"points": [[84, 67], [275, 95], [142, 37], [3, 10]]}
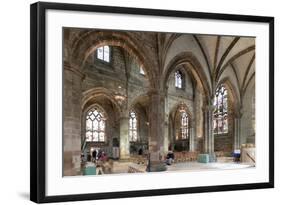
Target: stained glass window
{"points": [[95, 126], [184, 125], [103, 53], [220, 121], [133, 134], [178, 79]]}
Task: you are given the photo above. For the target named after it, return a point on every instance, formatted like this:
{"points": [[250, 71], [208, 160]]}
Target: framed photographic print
{"points": [[129, 102]]}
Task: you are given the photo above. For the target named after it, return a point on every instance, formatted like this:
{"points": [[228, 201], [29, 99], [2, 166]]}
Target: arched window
{"points": [[178, 79], [133, 131], [103, 53], [141, 70], [220, 121], [184, 125], [181, 123], [95, 125]]}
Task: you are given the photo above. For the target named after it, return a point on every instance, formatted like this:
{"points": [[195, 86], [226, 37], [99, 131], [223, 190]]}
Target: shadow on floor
{"points": [[24, 195]]}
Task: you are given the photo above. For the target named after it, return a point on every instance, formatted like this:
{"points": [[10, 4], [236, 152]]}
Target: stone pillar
{"points": [[72, 120], [166, 127], [191, 137], [156, 127], [124, 137], [208, 129], [237, 128]]}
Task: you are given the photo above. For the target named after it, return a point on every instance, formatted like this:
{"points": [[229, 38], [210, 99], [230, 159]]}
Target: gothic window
{"points": [[95, 125], [184, 125], [220, 121], [103, 53], [133, 136], [178, 79]]}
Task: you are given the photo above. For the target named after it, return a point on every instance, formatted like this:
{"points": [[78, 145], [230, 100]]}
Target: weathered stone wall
{"points": [[193, 99], [121, 75], [248, 116], [159, 54], [72, 120]]}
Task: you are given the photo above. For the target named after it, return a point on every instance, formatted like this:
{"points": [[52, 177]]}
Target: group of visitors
{"points": [[99, 155], [95, 156]]}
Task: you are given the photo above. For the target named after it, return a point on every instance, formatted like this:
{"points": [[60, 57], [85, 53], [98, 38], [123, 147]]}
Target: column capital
{"points": [[238, 114], [124, 114], [153, 91]]}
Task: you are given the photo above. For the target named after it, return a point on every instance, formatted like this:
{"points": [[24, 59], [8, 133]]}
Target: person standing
{"points": [[94, 155]]}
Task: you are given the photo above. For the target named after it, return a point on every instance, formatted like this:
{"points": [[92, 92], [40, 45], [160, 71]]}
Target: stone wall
{"points": [[248, 116], [121, 75], [159, 55]]}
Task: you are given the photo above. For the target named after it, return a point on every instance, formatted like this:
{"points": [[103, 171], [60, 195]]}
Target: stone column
{"points": [[237, 128], [191, 137], [208, 129], [72, 120], [156, 127], [166, 127], [124, 137]]}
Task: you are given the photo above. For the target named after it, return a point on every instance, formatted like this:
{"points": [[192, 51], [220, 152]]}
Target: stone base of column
{"points": [[72, 164], [124, 157], [212, 157], [156, 167], [155, 164]]}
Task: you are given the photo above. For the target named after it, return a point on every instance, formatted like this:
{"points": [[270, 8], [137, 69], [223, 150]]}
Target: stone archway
{"points": [[203, 86], [88, 42], [193, 66], [103, 99], [140, 105], [175, 124], [234, 114]]}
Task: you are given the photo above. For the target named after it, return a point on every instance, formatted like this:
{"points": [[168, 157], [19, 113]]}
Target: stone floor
{"points": [[191, 166], [122, 167]]}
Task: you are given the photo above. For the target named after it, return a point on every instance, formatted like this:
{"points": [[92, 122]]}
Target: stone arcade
{"points": [[137, 95]]}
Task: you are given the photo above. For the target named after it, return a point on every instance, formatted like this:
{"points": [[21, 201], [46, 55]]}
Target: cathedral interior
{"points": [[133, 99]]}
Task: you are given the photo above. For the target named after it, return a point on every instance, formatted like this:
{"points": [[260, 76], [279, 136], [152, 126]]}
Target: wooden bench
{"points": [[185, 156]]}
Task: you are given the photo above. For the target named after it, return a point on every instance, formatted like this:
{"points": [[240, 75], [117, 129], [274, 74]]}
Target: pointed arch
{"points": [[95, 124], [187, 58], [233, 93], [91, 40], [94, 93]]}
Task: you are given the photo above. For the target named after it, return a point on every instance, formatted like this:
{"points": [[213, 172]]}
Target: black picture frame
{"points": [[38, 100]]}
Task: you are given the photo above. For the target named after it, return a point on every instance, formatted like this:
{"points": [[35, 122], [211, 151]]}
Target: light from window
{"points": [[141, 71], [95, 126], [133, 136], [178, 79], [220, 121], [184, 125], [103, 53]]}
